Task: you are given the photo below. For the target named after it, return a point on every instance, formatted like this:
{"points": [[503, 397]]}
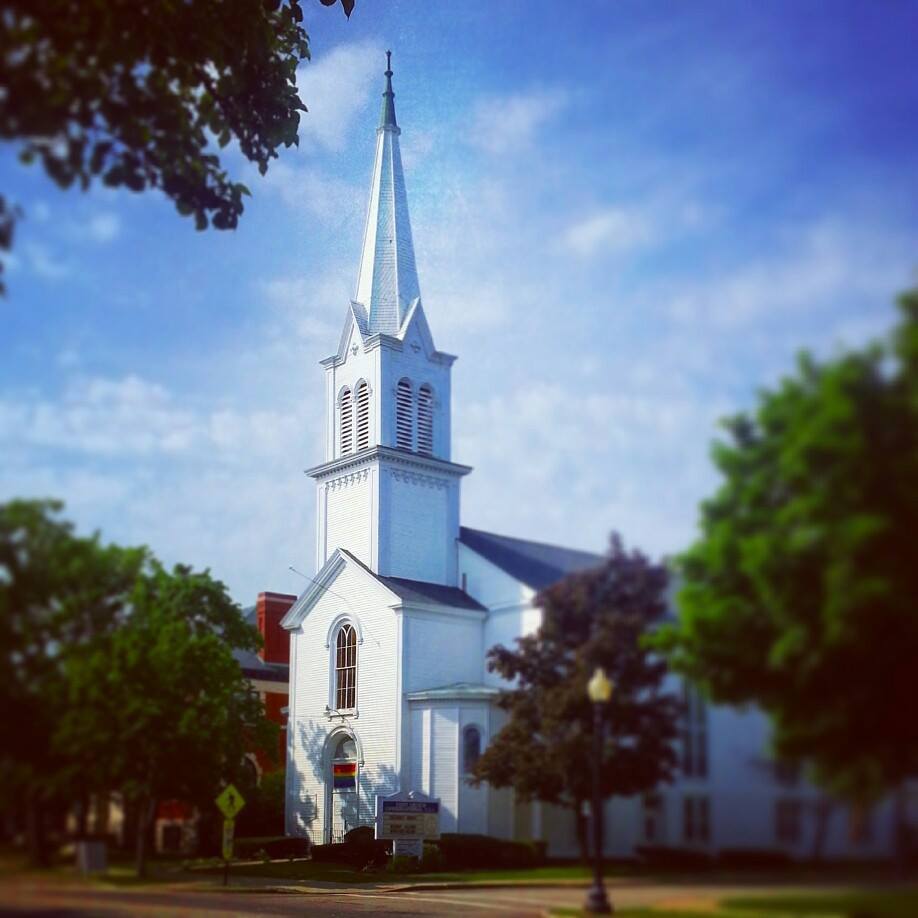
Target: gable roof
{"points": [[399, 589], [420, 591], [535, 564]]}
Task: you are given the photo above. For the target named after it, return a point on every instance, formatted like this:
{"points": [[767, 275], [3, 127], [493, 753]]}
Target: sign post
{"points": [[229, 802], [408, 820]]}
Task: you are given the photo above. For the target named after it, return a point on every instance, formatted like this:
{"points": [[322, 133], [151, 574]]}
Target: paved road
{"points": [[73, 901]]}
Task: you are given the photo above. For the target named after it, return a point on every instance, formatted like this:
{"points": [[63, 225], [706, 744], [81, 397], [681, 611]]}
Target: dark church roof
{"points": [[252, 665], [534, 563], [420, 590]]}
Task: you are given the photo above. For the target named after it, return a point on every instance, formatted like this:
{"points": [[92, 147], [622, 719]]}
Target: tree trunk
{"points": [[36, 843], [145, 811], [823, 814], [82, 816]]}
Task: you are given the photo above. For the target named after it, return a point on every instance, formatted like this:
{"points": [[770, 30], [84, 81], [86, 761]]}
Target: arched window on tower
{"points": [[425, 419], [363, 415], [346, 421], [346, 668], [471, 748], [404, 396]]}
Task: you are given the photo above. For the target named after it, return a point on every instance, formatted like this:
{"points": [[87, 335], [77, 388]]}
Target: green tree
{"points": [[161, 706], [597, 617], [799, 594], [58, 591], [139, 93]]}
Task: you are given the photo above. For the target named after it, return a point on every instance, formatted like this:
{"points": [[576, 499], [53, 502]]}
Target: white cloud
{"points": [[816, 265], [103, 227], [210, 482], [43, 263], [614, 229], [305, 190], [336, 87], [506, 124]]}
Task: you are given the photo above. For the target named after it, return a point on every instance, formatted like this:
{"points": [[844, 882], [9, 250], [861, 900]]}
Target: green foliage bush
{"points": [[263, 813], [432, 859], [461, 852]]}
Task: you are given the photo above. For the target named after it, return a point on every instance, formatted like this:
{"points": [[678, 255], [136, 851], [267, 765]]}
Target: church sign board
{"points": [[407, 816]]}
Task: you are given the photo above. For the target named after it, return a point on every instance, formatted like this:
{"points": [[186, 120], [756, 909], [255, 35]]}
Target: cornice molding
{"points": [[389, 456]]}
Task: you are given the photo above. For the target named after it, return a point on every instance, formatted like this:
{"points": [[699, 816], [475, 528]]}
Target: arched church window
{"points": [[346, 668], [346, 421], [471, 748], [346, 748], [425, 419], [403, 411], [363, 416]]}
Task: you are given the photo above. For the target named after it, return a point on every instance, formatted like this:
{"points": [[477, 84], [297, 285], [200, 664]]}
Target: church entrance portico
{"points": [[342, 804]]}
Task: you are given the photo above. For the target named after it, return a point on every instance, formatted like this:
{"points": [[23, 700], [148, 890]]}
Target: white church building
{"points": [[389, 688]]}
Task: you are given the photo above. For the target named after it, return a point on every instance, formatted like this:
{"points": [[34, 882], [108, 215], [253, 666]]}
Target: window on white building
{"points": [[694, 733], [404, 398], [346, 668], [471, 748], [425, 419], [653, 818], [696, 819], [363, 415], [346, 421]]}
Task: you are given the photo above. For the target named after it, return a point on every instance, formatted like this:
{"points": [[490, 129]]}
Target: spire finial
{"points": [[387, 116]]}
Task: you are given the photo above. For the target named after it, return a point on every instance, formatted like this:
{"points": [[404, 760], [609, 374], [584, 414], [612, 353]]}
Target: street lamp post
{"points": [[599, 689]]}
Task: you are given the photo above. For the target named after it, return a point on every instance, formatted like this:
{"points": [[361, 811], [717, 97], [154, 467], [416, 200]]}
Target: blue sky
{"points": [[628, 218]]}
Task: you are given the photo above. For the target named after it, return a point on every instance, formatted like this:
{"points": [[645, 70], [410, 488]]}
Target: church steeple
{"points": [[387, 282]]}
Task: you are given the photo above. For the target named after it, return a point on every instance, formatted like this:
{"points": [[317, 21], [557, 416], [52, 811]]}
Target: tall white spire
{"points": [[387, 282]]}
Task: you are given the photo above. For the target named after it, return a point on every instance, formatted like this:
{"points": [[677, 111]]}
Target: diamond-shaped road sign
{"points": [[230, 801]]}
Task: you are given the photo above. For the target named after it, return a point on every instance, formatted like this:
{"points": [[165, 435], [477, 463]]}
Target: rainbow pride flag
{"points": [[344, 775]]}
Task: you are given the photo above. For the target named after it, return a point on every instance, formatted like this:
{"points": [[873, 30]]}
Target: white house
{"points": [[388, 684]]}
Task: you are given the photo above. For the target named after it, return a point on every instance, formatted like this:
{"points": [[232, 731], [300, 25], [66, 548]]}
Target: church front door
{"points": [[344, 802]]}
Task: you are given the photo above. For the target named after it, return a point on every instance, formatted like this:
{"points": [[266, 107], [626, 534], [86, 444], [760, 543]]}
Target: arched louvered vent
{"points": [[363, 416], [346, 421], [425, 419], [403, 412]]}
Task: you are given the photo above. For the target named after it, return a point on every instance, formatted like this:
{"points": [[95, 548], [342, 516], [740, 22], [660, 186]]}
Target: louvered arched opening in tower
{"points": [[363, 416], [425, 419], [404, 396], [345, 421]]}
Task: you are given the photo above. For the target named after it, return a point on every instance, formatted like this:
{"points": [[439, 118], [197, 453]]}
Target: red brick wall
{"points": [[270, 608]]}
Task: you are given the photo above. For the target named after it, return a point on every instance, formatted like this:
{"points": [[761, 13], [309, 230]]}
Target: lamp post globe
{"points": [[599, 691]]}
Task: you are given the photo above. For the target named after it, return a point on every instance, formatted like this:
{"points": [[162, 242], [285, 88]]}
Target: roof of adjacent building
{"points": [[252, 665], [536, 564], [456, 690]]}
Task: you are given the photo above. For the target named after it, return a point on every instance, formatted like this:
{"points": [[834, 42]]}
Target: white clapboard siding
{"points": [[378, 695]]}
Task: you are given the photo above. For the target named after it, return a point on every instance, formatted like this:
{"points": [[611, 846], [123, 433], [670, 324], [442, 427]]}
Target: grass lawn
{"points": [[866, 904]]}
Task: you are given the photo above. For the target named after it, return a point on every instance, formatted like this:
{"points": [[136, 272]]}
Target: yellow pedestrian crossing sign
{"points": [[230, 801]]}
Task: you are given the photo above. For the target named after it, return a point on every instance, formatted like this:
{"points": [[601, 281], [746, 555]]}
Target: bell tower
{"points": [[388, 491]]}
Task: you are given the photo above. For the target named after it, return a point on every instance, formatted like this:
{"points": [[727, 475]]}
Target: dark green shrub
{"points": [[753, 858], [463, 852], [263, 813], [432, 858], [661, 857]]}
